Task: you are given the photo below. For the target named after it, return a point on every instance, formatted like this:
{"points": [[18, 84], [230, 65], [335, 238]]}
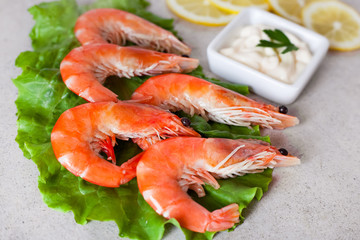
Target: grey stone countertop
{"points": [[319, 199]]}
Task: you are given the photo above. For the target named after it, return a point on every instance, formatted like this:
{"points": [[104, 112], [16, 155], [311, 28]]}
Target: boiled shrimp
{"points": [[165, 173], [197, 96], [116, 26], [85, 69], [82, 132]]}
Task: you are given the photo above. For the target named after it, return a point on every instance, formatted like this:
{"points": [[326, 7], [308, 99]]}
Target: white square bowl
{"points": [[260, 83]]}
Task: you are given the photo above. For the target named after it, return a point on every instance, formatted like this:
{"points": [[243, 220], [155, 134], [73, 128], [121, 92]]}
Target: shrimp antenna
{"points": [[171, 131], [220, 164]]}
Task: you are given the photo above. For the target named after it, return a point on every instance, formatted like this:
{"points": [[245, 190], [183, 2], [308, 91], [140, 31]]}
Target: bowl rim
{"points": [[318, 52]]}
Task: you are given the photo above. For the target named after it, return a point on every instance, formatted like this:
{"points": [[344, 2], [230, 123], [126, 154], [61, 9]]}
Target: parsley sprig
{"points": [[278, 40]]}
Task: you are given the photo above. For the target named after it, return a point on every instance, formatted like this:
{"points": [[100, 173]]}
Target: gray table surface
{"points": [[320, 199]]}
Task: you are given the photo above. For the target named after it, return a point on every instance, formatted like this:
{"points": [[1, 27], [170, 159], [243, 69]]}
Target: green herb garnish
{"points": [[278, 40]]}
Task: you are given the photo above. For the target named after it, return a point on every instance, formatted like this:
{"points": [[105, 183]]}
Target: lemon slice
{"points": [[290, 9], [337, 21], [235, 6], [199, 11]]}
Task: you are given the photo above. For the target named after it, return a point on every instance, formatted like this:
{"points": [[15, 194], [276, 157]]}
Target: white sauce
{"points": [[266, 60]]}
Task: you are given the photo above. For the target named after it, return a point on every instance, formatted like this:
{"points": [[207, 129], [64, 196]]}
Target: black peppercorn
{"points": [[184, 55]]}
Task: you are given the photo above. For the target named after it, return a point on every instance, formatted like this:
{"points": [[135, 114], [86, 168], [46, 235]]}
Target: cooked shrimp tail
{"points": [[196, 96], [128, 169], [224, 218], [82, 132], [116, 26], [86, 68], [165, 174]]}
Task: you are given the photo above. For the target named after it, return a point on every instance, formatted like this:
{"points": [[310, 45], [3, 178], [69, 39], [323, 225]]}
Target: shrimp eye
{"points": [[283, 109], [185, 121], [184, 55], [283, 151]]}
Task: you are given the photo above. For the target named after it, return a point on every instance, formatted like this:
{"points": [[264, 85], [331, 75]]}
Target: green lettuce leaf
{"points": [[43, 97]]}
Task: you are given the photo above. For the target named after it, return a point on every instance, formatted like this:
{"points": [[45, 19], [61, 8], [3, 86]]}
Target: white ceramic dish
{"points": [[261, 83]]}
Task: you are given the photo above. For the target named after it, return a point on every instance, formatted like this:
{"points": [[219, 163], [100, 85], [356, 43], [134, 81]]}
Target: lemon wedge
{"points": [[290, 9], [199, 11], [235, 6], [337, 21]]}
